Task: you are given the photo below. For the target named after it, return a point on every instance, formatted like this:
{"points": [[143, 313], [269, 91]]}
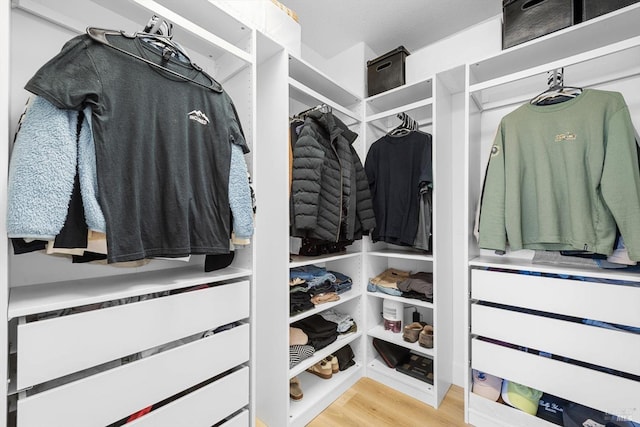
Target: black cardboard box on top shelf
{"points": [[387, 71], [524, 20], [594, 8]]}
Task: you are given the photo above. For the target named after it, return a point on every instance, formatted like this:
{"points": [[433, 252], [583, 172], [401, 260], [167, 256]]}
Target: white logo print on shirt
{"points": [[199, 117]]}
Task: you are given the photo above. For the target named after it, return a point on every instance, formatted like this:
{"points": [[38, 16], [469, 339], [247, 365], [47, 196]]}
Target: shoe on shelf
{"points": [[295, 392], [412, 331], [321, 369], [426, 337], [335, 367]]}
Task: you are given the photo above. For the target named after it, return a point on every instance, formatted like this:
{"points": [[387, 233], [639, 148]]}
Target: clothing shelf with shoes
{"points": [[407, 264], [328, 213]]}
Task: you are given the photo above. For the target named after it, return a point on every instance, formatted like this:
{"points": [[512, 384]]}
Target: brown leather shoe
{"points": [[412, 332], [426, 337], [335, 367], [295, 392], [322, 369]]}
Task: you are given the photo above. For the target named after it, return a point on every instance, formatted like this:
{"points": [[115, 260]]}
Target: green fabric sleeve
{"points": [[620, 183], [493, 234]]}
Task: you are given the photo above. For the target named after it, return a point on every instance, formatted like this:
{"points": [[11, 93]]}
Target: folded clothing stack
{"points": [[321, 332]]}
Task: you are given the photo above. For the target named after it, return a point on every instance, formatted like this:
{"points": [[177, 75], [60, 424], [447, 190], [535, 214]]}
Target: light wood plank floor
{"points": [[371, 404]]}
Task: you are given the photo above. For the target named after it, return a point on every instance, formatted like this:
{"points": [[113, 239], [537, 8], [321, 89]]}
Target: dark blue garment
{"points": [[306, 272]]}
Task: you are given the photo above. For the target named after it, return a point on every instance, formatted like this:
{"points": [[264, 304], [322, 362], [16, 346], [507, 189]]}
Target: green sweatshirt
{"points": [[562, 176]]}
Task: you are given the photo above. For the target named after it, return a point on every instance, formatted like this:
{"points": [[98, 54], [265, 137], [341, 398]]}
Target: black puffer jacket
{"points": [[330, 191]]}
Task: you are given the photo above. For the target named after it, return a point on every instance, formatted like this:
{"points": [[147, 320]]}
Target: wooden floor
{"points": [[371, 404]]}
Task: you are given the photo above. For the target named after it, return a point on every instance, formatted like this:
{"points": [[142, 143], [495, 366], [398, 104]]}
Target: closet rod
{"points": [[309, 93], [524, 98]]}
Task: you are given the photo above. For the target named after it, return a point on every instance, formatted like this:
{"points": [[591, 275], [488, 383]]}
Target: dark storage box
{"points": [[386, 71], [523, 20], [593, 8]]}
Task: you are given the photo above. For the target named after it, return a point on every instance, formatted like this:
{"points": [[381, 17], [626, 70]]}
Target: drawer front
{"points": [[590, 344], [591, 388], [598, 301], [106, 397], [230, 394], [487, 413], [53, 348], [240, 420]]}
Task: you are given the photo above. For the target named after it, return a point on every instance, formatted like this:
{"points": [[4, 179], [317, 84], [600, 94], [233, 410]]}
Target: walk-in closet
{"points": [[253, 213]]}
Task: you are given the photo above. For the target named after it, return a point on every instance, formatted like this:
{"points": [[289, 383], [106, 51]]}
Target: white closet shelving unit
{"points": [[309, 87], [603, 53], [427, 102], [278, 75], [71, 349]]}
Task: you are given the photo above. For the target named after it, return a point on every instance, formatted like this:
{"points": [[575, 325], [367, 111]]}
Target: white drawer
{"points": [[203, 407], [598, 301], [240, 420], [588, 387], [106, 397], [56, 347], [590, 344], [487, 413]]}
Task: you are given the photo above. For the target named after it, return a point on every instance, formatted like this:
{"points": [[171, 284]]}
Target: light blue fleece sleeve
{"points": [[88, 176], [41, 171], [240, 194]]}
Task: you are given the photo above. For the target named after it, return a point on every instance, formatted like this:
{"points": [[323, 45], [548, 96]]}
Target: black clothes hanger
{"points": [[408, 125], [159, 33], [100, 35], [323, 108], [557, 91]]}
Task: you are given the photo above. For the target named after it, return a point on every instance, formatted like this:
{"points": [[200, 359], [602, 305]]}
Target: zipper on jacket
{"points": [[341, 193]]}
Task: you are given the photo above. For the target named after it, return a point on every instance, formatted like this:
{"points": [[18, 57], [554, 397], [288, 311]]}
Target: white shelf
{"points": [[309, 96], [197, 24], [596, 33], [324, 352], [300, 261], [516, 264], [344, 297], [25, 300], [318, 393], [379, 371], [408, 301], [396, 338], [309, 76], [401, 96], [402, 253]]}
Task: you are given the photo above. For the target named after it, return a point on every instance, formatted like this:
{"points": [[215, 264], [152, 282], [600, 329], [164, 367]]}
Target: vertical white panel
{"points": [[272, 241], [442, 237], [5, 26]]}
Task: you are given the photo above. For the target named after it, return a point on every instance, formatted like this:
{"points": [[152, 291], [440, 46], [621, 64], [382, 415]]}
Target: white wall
{"points": [[348, 68], [469, 45]]}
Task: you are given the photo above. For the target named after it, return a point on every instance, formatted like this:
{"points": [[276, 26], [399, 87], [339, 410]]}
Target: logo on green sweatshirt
{"points": [[567, 136]]}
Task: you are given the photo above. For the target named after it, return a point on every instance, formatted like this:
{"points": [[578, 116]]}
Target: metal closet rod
{"points": [[518, 100]]}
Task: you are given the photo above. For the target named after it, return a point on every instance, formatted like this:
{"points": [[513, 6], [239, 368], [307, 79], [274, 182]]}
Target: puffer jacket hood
{"points": [[330, 192]]}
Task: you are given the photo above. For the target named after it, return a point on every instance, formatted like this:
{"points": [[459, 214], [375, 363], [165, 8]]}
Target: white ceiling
{"points": [[331, 26]]}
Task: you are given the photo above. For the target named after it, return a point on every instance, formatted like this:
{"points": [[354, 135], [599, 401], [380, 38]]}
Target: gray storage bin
{"points": [[593, 8], [386, 71], [524, 20]]}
